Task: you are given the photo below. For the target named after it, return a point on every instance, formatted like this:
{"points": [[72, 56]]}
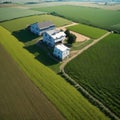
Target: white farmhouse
{"points": [[61, 51], [53, 37], [40, 28]]}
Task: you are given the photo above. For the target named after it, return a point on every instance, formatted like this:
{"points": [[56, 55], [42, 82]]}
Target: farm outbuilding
{"points": [[53, 37], [61, 51], [40, 28]]}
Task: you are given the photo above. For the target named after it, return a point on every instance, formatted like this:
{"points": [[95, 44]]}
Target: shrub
{"points": [[71, 37]]}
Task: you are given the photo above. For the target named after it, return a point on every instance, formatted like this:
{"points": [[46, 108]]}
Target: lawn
{"points": [[66, 98], [20, 99], [98, 71], [7, 13], [89, 31], [80, 45], [90, 16]]}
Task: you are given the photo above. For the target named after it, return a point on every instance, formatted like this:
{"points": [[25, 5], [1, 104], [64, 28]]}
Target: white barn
{"points": [[61, 51], [53, 37], [40, 28]]}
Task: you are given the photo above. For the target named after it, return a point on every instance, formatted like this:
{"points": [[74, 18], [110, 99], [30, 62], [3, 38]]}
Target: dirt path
{"points": [[79, 37], [77, 86]]}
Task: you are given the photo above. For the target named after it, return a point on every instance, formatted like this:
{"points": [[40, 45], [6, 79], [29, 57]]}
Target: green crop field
{"points": [[98, 71], [90, 16], [12, 13], [20, 99], [66, 98], [89, 31]]}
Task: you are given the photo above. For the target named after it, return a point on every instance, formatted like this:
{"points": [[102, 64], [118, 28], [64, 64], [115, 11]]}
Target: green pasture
{"points": [[98, 71], [90, 16], [89, 31], [7, 13], [66, 98]]}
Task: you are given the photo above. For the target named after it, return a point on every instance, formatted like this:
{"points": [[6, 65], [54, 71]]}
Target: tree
{"points": [[67, 32], [71, 38]]}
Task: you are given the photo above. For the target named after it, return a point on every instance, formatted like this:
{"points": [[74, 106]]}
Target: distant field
{"points": [[90, 16], [11, 13], [20, 99], [98, 71], [66, 98], [91, 32]]}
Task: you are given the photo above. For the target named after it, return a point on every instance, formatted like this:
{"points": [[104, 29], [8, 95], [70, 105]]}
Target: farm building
{"points": [[53, 37], [40, 28], [61, 51]]}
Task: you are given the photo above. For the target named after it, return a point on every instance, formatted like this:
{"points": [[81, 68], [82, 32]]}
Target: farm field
{"points": [[98, 69], [20, 99], [91, 16], [89, 31], [66, 98], [7, 13], [22, 34]]}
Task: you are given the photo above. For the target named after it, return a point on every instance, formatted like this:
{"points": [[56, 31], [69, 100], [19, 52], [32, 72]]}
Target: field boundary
{"points": [[91, 98]]}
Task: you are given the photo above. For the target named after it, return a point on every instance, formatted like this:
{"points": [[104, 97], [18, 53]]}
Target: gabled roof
{"points": [[62, 47], [56, 34], [45, 24]]}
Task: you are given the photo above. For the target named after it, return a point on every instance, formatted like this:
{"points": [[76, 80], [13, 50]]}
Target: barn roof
{"points": [[62, 47], [45, 24], [56, 34]]}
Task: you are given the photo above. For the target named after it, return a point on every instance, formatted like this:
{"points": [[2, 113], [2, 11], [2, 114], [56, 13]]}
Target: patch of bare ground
{"points": [[72, 53], [79, 37]]}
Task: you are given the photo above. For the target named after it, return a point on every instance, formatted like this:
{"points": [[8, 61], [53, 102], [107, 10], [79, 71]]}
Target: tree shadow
{"points": [[41, 55], [24, 35]]}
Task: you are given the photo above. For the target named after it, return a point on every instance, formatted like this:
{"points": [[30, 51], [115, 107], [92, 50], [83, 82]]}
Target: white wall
{"points": [[61, 54], [34, 28], [65, 54]]}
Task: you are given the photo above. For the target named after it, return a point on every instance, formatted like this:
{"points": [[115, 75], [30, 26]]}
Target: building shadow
{"points": [[37, 49], [41, 55], [24, 35]]}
